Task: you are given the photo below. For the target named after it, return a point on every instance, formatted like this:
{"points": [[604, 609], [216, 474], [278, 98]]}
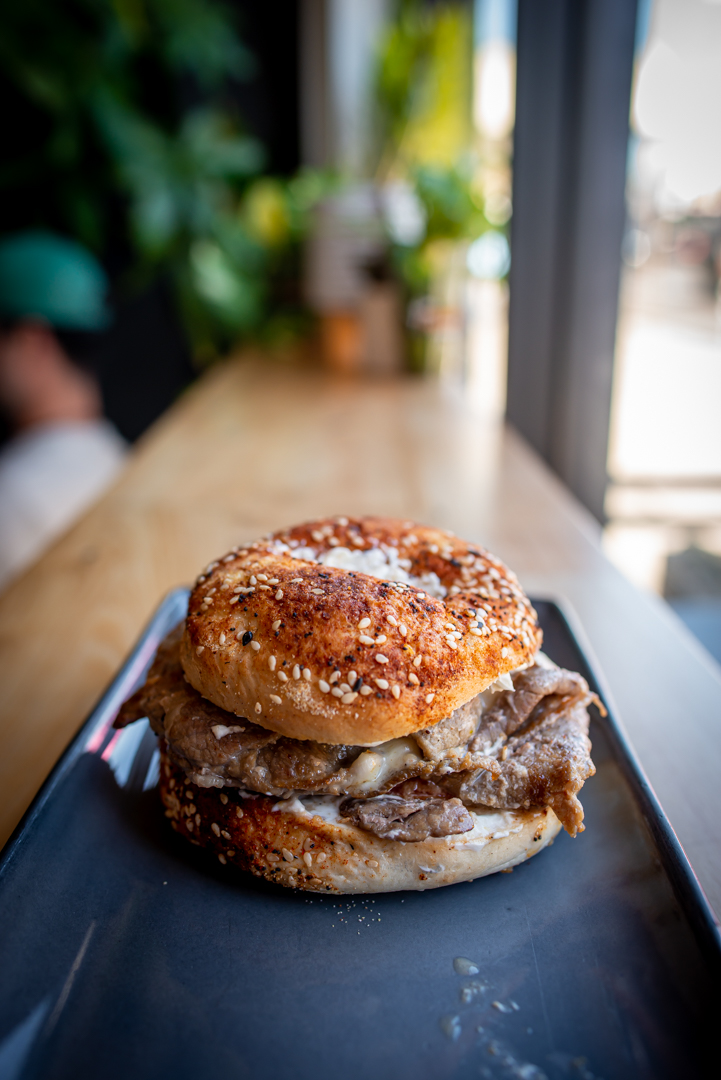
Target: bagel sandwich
{"points": [[361, 705]]}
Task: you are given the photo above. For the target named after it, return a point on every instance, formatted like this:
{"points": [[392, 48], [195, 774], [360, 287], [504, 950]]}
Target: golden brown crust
{"points": [[307, 622], [305, 851]]}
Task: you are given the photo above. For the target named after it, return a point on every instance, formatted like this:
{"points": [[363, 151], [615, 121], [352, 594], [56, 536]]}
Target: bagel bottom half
{"points": [[305, 845]]}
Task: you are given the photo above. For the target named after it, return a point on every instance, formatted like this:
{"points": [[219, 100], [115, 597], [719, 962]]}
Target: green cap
{"points": [[51, 278]]}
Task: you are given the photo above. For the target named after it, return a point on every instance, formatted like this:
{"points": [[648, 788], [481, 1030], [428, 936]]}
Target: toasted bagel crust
{"points": [[288, 650], [305, 851]]}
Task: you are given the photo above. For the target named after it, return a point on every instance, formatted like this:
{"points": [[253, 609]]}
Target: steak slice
{"points": [[395, 818], [545, 765]]}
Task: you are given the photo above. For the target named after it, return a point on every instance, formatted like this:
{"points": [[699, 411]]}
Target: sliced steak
{"points": [[510, 709], [545, 765], [395, 818]]}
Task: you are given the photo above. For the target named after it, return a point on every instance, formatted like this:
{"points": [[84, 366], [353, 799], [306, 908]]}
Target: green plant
{"points": [[126, 138]]}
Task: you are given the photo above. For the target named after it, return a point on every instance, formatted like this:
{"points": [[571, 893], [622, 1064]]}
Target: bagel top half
{"points": [[354, 631]]}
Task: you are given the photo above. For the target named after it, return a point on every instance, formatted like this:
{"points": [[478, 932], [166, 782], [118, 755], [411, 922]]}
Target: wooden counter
{"points": [[256, 446]]}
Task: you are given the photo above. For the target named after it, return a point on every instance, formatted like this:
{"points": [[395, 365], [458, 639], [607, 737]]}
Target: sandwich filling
{"points": [[519, 744]]}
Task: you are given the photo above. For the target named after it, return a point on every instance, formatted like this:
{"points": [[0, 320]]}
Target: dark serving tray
{"points": [[125, 952]]}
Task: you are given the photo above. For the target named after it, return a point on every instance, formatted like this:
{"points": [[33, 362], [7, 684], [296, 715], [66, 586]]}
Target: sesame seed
{"points": [[475, 631], [413, 678], [392, 620], [363, 623], [247, 637], [287, 855], [504, 652], [255, 645], [323, 686], [271, 663], [296, 671], [366, 690], [396, 691], [307, 674], [258, 707], [224, 798], [282, 676], [337, 692], [253, 580], [317, 535], [296, 580], [334, 677], [225, 834], [276, 624], [403, 629], [429, 698], [318, 592], [279, 594], [308, 859], [352, 676], [276, 700], [238, 812], [262, 577], [348, 698], [266, 587], [189, 826], [234, 599], [221, 639], [321, 857], [381, 639], [216, 828], [273, 858], [382, 684], [418, 661], [381, 658], [222, 859], [365, 640], [199, 649], [344, 687]]}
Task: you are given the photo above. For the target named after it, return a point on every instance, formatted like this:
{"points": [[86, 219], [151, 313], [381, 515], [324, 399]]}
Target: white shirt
{"points": [[49, 475]]}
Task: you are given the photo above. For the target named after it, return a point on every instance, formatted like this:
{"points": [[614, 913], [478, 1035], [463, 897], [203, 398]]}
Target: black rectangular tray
{"points": [[125, 952]]}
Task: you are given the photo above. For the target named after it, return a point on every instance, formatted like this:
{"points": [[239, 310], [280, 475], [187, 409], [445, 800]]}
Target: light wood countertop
{"points": [[253, 447]]}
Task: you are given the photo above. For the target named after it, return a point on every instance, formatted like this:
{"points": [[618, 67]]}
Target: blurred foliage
{"points": [[126, 138], [423, 94]]}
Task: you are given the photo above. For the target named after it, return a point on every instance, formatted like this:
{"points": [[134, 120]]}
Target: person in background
{"points": [[62, 453]]}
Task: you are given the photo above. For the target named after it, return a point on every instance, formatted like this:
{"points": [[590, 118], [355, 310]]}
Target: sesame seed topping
{"points": [[321, 857], [262, 577], [382, 684], [418, 661], [429, 698], [392, 620], [258, 707], [337, 692], [199, 649], [253, 580], [334, 677], [296, 580], [323, 686], [475, 631], [348, 698], [224, 798], [216, 828], [271, 663], [366, 690], [276, 624], [413, 678], [363, 623], [255, 645], [352, 676], [365, 640], [504, 652], [403, 629], [276, 700], [396, 691], [381, 639], [247, 637], [307, 674], [288, 855], [234, 599], [381, 658], [344, 687], [279, 594], [318, 592], [222, 859], [282, 676], [221, 639], [296, 671]]}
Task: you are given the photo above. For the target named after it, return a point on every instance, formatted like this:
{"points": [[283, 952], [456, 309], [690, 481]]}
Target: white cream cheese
{"points": [[378, 562]]}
